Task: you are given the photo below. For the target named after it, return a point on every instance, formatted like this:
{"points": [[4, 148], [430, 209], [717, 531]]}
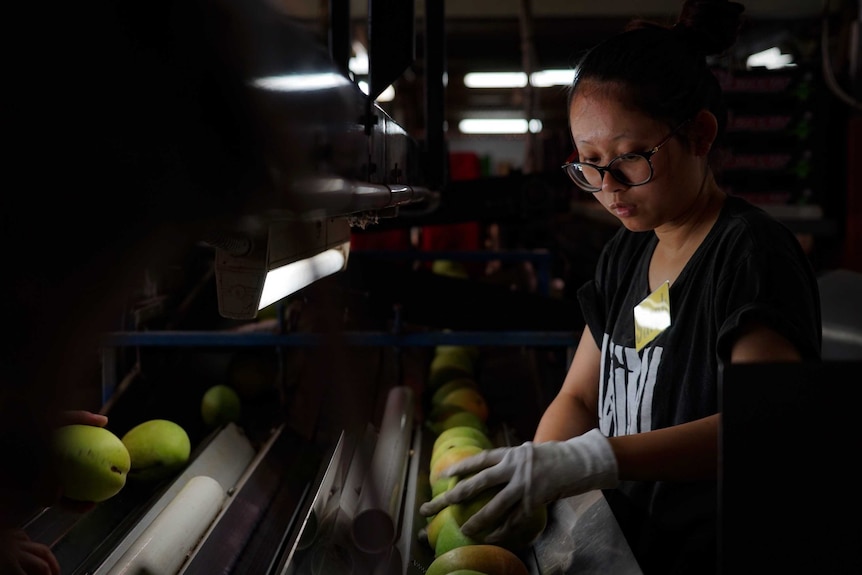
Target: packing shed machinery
{"points": [[325, 471]]}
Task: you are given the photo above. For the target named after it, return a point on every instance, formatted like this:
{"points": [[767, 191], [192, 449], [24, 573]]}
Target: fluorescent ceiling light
{"points": [[495, 79], [771, 59], [501, 80], [273, 263], [386, 95], [548, 78], [313, 82], [288, 279], [301, 82], [498, 126]]}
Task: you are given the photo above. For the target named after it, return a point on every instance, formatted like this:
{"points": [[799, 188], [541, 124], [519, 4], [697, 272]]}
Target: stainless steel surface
{"points": [[333, 551], [225, 459], [261, 525], [334, 196], [268, 527], [417, 553], [330, 152], [95, 540], [330, 485], [841, 308], [376, 521], [166, 543], [414, 494]]}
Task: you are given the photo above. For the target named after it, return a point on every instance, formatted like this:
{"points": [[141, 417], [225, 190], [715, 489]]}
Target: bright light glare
{"points": [[301, 82], [498, 126], [358, 64], [657, 319], [771, 59], [386, 95], [548, 78], [283, 281], [495, 80], [502, 80]]}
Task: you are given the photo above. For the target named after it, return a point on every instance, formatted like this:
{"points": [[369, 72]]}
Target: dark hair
{"points": [[662, 70]]}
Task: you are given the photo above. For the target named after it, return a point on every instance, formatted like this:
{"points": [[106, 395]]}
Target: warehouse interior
{"points": [[177, 166]]}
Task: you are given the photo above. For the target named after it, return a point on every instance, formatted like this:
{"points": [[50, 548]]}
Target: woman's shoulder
{"points": [[751, 239], [742, 210], [744, 221]]}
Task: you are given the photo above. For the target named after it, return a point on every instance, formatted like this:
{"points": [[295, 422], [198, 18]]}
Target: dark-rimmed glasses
{"points": [[632, 169]]}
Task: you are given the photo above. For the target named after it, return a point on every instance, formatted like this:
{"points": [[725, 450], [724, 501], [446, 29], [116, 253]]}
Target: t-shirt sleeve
{"points": [[592, 295], [592, 308], [621, 252], [772, 283]]}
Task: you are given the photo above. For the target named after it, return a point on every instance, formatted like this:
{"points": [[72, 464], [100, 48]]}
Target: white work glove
{"points": [[532, 474]]}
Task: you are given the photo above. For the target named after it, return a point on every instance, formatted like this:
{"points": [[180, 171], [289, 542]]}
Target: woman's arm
{"points": [[690, 451], [574, 410], [758, 343], [687, 451], [683, 452]]}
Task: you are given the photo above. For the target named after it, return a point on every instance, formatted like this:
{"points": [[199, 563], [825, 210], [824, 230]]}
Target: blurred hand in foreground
{"points": [[82, 417], [21, 556]]}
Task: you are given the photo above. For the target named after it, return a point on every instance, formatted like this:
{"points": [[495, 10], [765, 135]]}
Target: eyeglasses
{"points": [[632, 169]]}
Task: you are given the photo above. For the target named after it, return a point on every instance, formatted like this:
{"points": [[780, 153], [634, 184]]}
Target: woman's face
{"points": [[602, 129]]}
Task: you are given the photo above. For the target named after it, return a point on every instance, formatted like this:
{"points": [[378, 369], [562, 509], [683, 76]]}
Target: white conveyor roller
{"points": [[166, 543]]}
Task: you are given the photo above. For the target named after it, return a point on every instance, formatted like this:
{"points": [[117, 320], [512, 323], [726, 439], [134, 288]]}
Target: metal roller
{"points": [[164, 546], [376, 519]]}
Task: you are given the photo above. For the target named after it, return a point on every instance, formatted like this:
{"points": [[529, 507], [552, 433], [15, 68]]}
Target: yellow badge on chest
{"points": [[652, 316]]}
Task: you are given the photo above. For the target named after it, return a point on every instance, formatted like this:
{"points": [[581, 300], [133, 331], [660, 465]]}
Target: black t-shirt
{"points": [[750, 267]]}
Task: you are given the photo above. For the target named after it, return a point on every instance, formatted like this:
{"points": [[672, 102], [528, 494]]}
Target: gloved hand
{"points": [[531, 474]]}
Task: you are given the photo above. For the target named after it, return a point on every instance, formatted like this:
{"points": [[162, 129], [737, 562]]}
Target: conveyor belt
{"points": [[93, 541], [262, 522], [290, 507]]}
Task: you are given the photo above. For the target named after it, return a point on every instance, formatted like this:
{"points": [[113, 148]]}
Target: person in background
{"points": [[693, 280]]}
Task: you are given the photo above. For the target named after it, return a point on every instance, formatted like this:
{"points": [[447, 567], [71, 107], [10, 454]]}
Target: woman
{"points": [[694, 279]]}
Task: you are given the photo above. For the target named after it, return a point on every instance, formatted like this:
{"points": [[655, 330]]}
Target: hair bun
{"points": [[712, 26]]}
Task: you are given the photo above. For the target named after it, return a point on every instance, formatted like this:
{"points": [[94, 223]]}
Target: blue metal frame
{"points": [[357, 338]]}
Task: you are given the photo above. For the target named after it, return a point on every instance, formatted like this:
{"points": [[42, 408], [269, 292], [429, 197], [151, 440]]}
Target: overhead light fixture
{"points": [[267, 267], [548, 78], [771, 59], [503, 80], [301, 82], [499, 126], [290, 278], [495, 79]]}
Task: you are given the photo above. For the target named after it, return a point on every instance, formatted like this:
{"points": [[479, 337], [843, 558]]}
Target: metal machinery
{"points": [[330, 463]]}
